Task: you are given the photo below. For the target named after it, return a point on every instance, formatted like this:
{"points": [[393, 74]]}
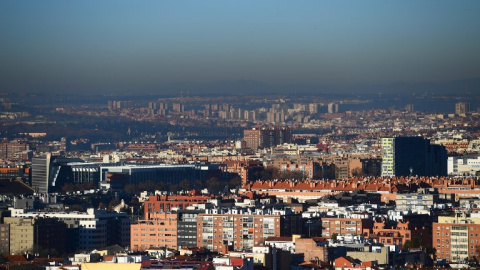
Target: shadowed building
{"points": [[405, 156]]}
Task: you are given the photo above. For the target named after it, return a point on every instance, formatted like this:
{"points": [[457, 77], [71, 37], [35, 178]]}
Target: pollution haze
{"points": [[163, 47]]}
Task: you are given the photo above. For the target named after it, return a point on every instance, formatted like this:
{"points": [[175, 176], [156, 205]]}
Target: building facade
{"points": [[456, 238], [158, 231], [88, 230], [410, 156], [267, 137]]}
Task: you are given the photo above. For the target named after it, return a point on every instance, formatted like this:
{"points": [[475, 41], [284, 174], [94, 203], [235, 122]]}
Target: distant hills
{"points": [[468, 87]]}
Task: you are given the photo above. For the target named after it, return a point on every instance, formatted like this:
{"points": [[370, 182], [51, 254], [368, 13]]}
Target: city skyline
{"points": [[164, 47]]}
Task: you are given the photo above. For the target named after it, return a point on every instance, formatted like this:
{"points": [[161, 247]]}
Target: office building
{"points": [[41, 173], [50, 173], [405, 156], [116, 176], [465, 165]]}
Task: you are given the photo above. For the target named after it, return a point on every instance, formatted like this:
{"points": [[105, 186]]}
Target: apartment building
{"points": [[361, 225], [88, 230], [160, 230], [410, 228], [25, 234], [456, 238], [166, 203], [241, 230]]}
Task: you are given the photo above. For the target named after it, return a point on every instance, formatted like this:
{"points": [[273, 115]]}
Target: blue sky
{"points": [[108, 46]]}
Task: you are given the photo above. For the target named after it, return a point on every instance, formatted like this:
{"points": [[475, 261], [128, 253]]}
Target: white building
{"points": [[463, 165]]}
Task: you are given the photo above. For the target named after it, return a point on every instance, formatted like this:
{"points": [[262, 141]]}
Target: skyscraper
{"points": [[404, 156], [41, 173]]}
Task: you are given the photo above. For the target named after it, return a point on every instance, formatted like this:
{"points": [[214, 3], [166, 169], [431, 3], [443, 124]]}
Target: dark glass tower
{"points": [[416, 156]]}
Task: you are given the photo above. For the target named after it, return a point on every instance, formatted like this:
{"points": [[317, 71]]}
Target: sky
{"points": [[116, 46]]}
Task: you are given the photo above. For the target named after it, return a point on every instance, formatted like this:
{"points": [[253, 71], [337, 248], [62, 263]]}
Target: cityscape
{"points": [[218, 135], [284, 182]]}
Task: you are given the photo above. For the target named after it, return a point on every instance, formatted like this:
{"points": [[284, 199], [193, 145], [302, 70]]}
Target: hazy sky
{"points": [[118, 45]]}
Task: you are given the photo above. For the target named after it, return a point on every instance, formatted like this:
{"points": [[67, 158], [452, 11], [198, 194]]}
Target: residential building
{"points": [[4, 238], [361, 225], [187, 228], [411, 228], [88, 230], [9, 150], [27, 234], [267, 137], [241, 230], [248, 170], [167, 203], [160, 230], [462, 108], [456, 238]]}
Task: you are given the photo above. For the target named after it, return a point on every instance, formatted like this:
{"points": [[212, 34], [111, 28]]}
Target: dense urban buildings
{"points": [[311, 179]]}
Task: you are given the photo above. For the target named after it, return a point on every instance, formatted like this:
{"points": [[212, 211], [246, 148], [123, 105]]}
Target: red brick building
{"points": [[159, 231], [218, 232], [165, 203], [346, 226]]}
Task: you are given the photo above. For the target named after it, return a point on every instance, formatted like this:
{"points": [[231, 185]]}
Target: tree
{"points": [[417, 242], [76, 207], [407, 245], [184, 184], [112, 204], [68, 187], [357, 172], [130, 189], [198, 185], [235, 182], [102, 205], [213, 185], [334, 236]]}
